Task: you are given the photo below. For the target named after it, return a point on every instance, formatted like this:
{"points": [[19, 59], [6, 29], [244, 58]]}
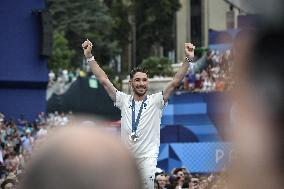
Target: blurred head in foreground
{"points": [[81, 157], [259, 132]]}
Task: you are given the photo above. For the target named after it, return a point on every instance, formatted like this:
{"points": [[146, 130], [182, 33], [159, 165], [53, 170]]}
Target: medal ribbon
{"points": [[135, 123]]}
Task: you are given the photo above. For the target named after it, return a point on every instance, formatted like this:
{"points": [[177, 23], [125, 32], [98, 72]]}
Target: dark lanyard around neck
{"points": [[135, 123]]}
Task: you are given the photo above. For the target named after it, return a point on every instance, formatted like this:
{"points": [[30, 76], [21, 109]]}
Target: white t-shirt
{"points": [[148, 129]]}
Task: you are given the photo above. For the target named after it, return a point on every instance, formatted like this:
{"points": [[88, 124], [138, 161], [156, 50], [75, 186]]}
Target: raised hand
{"points": [[189, 50], [87, 47]]}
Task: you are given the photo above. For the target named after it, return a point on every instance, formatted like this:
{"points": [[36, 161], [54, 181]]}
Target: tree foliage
{"points": [[155, 23], [154, 20], [106, 24], [81, 19], [121, 27], [61, 54], [157, 66]]}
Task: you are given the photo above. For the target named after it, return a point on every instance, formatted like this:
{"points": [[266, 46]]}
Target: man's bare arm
{"points": [[172, 85], [98, 72]]}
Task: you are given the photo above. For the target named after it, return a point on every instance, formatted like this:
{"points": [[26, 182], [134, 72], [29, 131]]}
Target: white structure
{"points": [[155, 84], [196, 17]]}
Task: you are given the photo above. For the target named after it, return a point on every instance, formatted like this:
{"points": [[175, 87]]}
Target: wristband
{"points": [[189, 59], [90, 59]]}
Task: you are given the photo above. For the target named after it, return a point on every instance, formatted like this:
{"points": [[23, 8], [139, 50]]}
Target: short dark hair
{"points": [[138, 69], [177, 170]]}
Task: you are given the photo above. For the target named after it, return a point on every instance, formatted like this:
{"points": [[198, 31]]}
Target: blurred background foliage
{"points": [[62, 54], [157, 66], [108, 24]]}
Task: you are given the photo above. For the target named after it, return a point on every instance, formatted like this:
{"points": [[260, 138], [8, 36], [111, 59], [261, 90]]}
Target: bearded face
{"points": [[139, 83]]}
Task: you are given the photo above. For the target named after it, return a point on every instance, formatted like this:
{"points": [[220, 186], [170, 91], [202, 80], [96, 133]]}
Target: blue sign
{"points": [[196, 157]]}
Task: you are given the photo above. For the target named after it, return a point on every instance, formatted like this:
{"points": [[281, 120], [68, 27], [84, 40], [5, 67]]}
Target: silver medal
{"points": [[133, 137]]}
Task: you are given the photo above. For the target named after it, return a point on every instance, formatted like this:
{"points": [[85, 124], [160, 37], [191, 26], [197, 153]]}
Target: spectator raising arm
{"points": [[172, 85], [99, 73]]}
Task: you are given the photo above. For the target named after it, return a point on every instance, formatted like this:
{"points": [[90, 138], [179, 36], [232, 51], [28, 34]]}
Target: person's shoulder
{"points": [[121, 95], [156, 94]]}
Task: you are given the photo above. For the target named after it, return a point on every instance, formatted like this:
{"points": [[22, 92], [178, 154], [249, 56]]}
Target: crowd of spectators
{"points": [[60, 82], [181, 178], [18, 138], [64, 76], [17, 142], [216, 75]]}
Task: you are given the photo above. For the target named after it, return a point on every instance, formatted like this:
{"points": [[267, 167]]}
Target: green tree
{"points": [[157, 66], [155, 23], [81, 19], [121, 27], [154, 20], [61, 54], [106, 23]]}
